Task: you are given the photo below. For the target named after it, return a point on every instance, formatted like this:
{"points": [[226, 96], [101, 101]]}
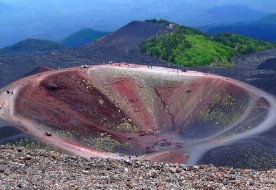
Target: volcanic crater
{"points": [[138, 111]]}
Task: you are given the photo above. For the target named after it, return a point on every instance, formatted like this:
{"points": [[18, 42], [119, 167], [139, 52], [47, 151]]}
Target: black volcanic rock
{"points": [[269, 64], [246, 70]]}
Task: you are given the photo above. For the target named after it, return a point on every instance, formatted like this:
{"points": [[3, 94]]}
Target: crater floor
{"points": [[143, 112]]}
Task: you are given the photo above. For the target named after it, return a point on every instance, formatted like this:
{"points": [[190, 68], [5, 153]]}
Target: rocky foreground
{"points": [[21, 168]]}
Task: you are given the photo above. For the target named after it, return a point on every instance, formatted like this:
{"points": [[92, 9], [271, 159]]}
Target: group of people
{"points": [[8, 92], [149, 66]]}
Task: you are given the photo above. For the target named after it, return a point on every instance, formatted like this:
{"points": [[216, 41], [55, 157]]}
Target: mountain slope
{"points": [[123, 45], [269, 19], [127, 50], [263, 29], [133, 34], [258, 30], [82, 37], [188, 47], [32, 45], [234, 13]]}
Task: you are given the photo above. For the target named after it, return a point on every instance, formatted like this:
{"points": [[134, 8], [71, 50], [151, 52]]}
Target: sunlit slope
{"points": [[189, 47]]}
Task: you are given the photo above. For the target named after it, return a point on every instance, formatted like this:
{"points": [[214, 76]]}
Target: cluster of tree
{"points": [[32, 45], [188, 31], [189, 47], [161, 22], [242, 45]]}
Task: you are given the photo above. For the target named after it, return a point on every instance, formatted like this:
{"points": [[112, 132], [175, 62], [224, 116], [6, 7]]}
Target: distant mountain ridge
{"points": [[104, 50], [269, 19], [82, 37], [6, 8], [32, 45], [234, 13], [263, 29]]}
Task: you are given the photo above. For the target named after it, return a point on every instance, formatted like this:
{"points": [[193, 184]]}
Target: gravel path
{"points": [[21, 168]]}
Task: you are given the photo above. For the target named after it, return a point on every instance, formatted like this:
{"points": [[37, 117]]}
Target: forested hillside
{"points": [[32, 45], [189, 47]]}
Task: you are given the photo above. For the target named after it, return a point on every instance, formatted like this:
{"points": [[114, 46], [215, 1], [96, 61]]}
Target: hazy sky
{"points": [[265, 5], [55, 19], [184, 11]]}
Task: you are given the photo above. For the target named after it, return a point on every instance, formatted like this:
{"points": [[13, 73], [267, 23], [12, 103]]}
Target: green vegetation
{"points": [[242, 45], [107, 143], [32, 45], [269, 19], [161, 22], [189, 47], [83, 37], [34, 144]]}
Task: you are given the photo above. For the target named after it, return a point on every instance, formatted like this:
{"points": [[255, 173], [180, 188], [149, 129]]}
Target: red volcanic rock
{"points": [[133, 110]]}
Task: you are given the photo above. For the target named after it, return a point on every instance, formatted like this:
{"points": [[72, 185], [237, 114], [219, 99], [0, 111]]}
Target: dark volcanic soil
{"points": [[252, 69]]}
